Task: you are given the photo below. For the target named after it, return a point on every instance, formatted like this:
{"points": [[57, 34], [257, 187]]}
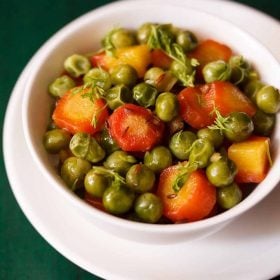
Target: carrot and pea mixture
{"points": [[160, 127]]}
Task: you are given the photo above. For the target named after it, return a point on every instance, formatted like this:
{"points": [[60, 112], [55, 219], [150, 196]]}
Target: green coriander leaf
{"points": [[93, 92], [185, 171], [89, 90], [117, 178], [160, 39], [219, 122], [179, 54], [94, 120], [154, 40]]}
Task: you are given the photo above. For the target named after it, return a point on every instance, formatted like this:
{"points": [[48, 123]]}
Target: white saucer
{"points": [[248, 248]]}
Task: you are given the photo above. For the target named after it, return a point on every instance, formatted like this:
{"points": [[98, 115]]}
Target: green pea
{"points": [[160, 79], [84, 146], [145, 94], [167, 106], [221, 173], [143, 33], [98, 77], [107, 142], [252, 74], [216, 71], [187, 40], [229, 196], [238, 127], [251, 89], [118, 200], [124, 74], [263, 123], [148, 207], [169, 31], [213, 135], [158, 158], [121, 38], [77, 65], [73, 172], [118, 96], [240, 69], [145, 30], [140, 178], [178, 69], [238, 61], [268, 99], [120, 162], [96, 184], [201, 152], [61, 85], [181, 143], [55, 140], [153, 74]]}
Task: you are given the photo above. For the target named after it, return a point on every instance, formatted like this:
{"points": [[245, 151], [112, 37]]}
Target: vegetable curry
{"points": [[159, 126]]}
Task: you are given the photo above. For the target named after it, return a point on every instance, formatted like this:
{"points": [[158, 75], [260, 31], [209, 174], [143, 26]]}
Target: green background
{"points": [[24, 27]]}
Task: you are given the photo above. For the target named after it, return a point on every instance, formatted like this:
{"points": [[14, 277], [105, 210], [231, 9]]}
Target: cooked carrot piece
{"points": [[138, 57], [135, 128], [197, 104], [194, 201], [252, 158], [160, 59], [77, 113], [227, 98], [211, 50], [208, 51]]}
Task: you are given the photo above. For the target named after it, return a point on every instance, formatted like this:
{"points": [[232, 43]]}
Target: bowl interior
{"points": [[84, 36]]}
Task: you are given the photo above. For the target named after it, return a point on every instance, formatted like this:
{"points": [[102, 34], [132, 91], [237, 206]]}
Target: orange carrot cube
{"points": [[138, 57], [252, 158]]}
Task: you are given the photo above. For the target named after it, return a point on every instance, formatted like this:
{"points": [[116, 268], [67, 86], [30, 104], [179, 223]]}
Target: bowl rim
{"points": [[42, 54]]}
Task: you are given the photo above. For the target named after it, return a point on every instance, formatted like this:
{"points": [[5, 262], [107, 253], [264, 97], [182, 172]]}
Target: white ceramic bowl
{"points": [[83, 35]]}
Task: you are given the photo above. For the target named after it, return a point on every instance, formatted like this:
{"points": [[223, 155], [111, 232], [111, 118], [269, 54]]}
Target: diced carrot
{"points": [[77, 113], [210, 50], [138, 57], [160, 59], [252, 158], [193, 202], [98, 60], [135, 128], [193, 110], [197, 104], [227, 98]]}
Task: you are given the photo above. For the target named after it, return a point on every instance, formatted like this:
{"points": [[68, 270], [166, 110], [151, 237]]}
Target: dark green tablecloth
{"points": [[24, 27]]}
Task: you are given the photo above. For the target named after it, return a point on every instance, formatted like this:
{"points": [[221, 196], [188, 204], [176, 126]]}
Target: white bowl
{"points": [[83, 35]]}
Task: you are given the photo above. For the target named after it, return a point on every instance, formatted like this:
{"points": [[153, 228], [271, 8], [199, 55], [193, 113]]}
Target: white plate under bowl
{"points": [[247, 249]]}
